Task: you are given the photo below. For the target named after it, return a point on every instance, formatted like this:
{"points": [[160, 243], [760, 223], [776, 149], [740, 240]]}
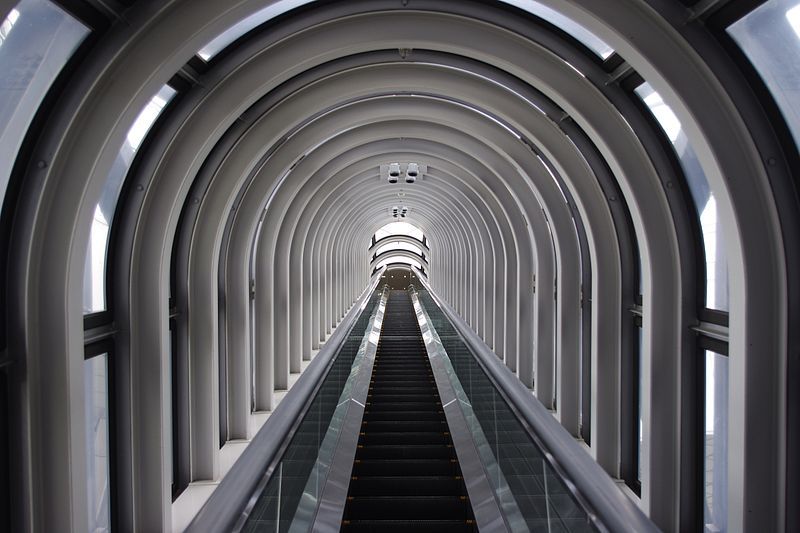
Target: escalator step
{"points": [[405, 485], [405, 467], [406, 475], [407, 438], [385, 415], [402, 526], [419, 507]]}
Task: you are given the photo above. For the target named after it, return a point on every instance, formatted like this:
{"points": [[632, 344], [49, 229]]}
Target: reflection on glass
{"points": [[36, 40], [399, 246], [580, 33], [244, 26], [282, 501], [770, 37], [524, 481], [640, 449], [95, 386], [94, 274], [715, 443], [703, 196]]}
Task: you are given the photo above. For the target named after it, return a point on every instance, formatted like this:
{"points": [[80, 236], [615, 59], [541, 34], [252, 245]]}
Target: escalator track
{"points": [[406, 476]]}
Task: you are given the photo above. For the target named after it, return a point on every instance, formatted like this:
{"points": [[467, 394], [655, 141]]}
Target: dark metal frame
{"points": [[6, 501]]}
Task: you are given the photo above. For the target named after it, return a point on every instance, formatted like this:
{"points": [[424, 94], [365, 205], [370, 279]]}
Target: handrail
{"points": [[591, 485], [259, 460]]}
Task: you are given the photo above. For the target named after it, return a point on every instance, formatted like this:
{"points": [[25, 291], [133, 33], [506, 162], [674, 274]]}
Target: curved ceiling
{"points": [[557, 220]]}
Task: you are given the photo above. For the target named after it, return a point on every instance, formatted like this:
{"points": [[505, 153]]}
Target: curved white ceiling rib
{"points": [[397, 238], [395, 244], [400, 257], [400, 228]]}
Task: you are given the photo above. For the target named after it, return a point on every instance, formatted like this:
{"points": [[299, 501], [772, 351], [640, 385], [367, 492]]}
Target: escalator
{"points": [[406, 476], [406, 421]]}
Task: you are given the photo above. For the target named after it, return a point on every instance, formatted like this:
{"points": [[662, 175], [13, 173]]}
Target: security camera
{"points": [[412, 172], [394, 172]]}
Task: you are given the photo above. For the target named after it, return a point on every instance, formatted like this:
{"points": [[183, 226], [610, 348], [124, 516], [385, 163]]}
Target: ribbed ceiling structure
{"points": [[557, 218]]}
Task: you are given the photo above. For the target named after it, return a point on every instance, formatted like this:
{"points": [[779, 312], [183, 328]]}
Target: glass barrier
{"points": [[519, 471], [300, 474]]}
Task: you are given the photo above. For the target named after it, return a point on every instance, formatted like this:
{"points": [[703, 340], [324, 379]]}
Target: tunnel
{"points": [[400, 265]]}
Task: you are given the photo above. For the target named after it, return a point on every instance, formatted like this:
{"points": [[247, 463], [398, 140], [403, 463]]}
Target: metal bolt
{"points": [[42, 163], [140, 187]]}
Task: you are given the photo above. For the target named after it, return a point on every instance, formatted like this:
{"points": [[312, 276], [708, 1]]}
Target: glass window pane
{"points": [[770, 37], [244, 26], [95, 380], [94, 274], [36, 40], [580, 33], [399, 246], [640, 414], [715, 493], [703, 196], [399, 228]]}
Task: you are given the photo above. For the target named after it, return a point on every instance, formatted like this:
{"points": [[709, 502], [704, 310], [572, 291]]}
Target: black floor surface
{"points": [[406, 476]]}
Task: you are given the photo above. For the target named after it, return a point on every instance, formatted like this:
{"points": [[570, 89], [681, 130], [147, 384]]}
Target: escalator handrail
{"points": [[592, 485], [259, 460]]}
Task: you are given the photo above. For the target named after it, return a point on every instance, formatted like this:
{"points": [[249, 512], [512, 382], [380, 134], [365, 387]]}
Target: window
{"points": [[715, 443], [716, 258], [36, 40], [569, 26], [244, 26], [98, 465], [639, 444], [770, 37], [94, 288]]}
